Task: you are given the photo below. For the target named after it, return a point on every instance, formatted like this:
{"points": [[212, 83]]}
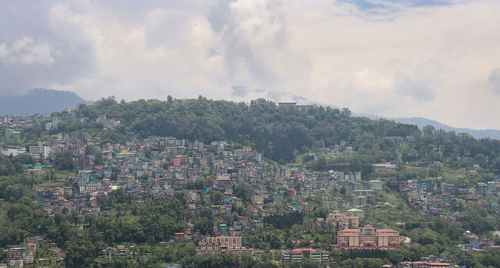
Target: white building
{"points": [[39, 150], [13, 151]]}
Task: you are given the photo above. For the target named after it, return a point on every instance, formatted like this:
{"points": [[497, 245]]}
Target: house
{"points": [[179, 237]]}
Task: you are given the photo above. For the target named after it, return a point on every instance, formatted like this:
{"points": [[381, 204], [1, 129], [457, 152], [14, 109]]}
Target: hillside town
{"points": [[206, 174], [244, 195]]}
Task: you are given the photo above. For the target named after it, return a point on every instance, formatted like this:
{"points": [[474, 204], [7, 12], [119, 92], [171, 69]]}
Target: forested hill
{"points": [[282, 132], [279, 132]]}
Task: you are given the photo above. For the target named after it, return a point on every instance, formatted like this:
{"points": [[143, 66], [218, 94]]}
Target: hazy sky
{"points": [[436, 59]]}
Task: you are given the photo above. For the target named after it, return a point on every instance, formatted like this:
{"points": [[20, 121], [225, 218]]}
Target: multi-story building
{"points": [[13, 151], [19, 256], [341, 221], [14, 254], [421, 264], [221, 244], [355, 212], [39, 150], [368, 236], [296, 255]]}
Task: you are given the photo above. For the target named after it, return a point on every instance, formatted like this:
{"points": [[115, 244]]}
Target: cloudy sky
{"points": [[435, 59]]}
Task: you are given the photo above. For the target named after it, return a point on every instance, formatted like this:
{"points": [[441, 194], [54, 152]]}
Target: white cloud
{"points": [[26, 51], [494, 80], [397, 59]]}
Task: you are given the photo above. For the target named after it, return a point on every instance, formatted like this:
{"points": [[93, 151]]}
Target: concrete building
{"points": [[422, 264], [221, 244], [287, 105], [355, 212], [340, 221], [375, 185], [15, 254], [368, 236], [39, 150], [296, 255], [13, 151]]}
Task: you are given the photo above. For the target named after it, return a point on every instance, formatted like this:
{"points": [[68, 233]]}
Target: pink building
{"points": [[368, 236]]}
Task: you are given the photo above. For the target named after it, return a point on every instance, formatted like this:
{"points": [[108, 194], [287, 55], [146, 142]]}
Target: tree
{"points": [[242, 191], [204, 225], [64, 160]]}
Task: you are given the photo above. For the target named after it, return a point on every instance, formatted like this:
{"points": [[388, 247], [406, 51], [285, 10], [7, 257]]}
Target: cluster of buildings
{"points": [[20, 256], [335, 190], [337, 221], [162, 166], [430, 261], [120, 250], [436, 197], [155, 167], [11, 125]]}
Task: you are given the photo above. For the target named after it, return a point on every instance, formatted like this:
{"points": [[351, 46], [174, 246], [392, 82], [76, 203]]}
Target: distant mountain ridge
{"points": [[477, 133], [40, 101], [422, 122]]}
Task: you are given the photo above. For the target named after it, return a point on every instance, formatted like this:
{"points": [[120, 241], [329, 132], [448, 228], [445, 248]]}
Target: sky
{"points": [[434, 59]]}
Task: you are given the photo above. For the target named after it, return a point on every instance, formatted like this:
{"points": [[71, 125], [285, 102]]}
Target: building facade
{"points": [[296, 255], [341, 221], [368, 236], [221, 244], [422, 264]]}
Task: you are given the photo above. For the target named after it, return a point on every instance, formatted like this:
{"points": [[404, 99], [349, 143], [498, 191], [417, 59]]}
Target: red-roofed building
{"points": [[368, 236], [179, 237]]}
